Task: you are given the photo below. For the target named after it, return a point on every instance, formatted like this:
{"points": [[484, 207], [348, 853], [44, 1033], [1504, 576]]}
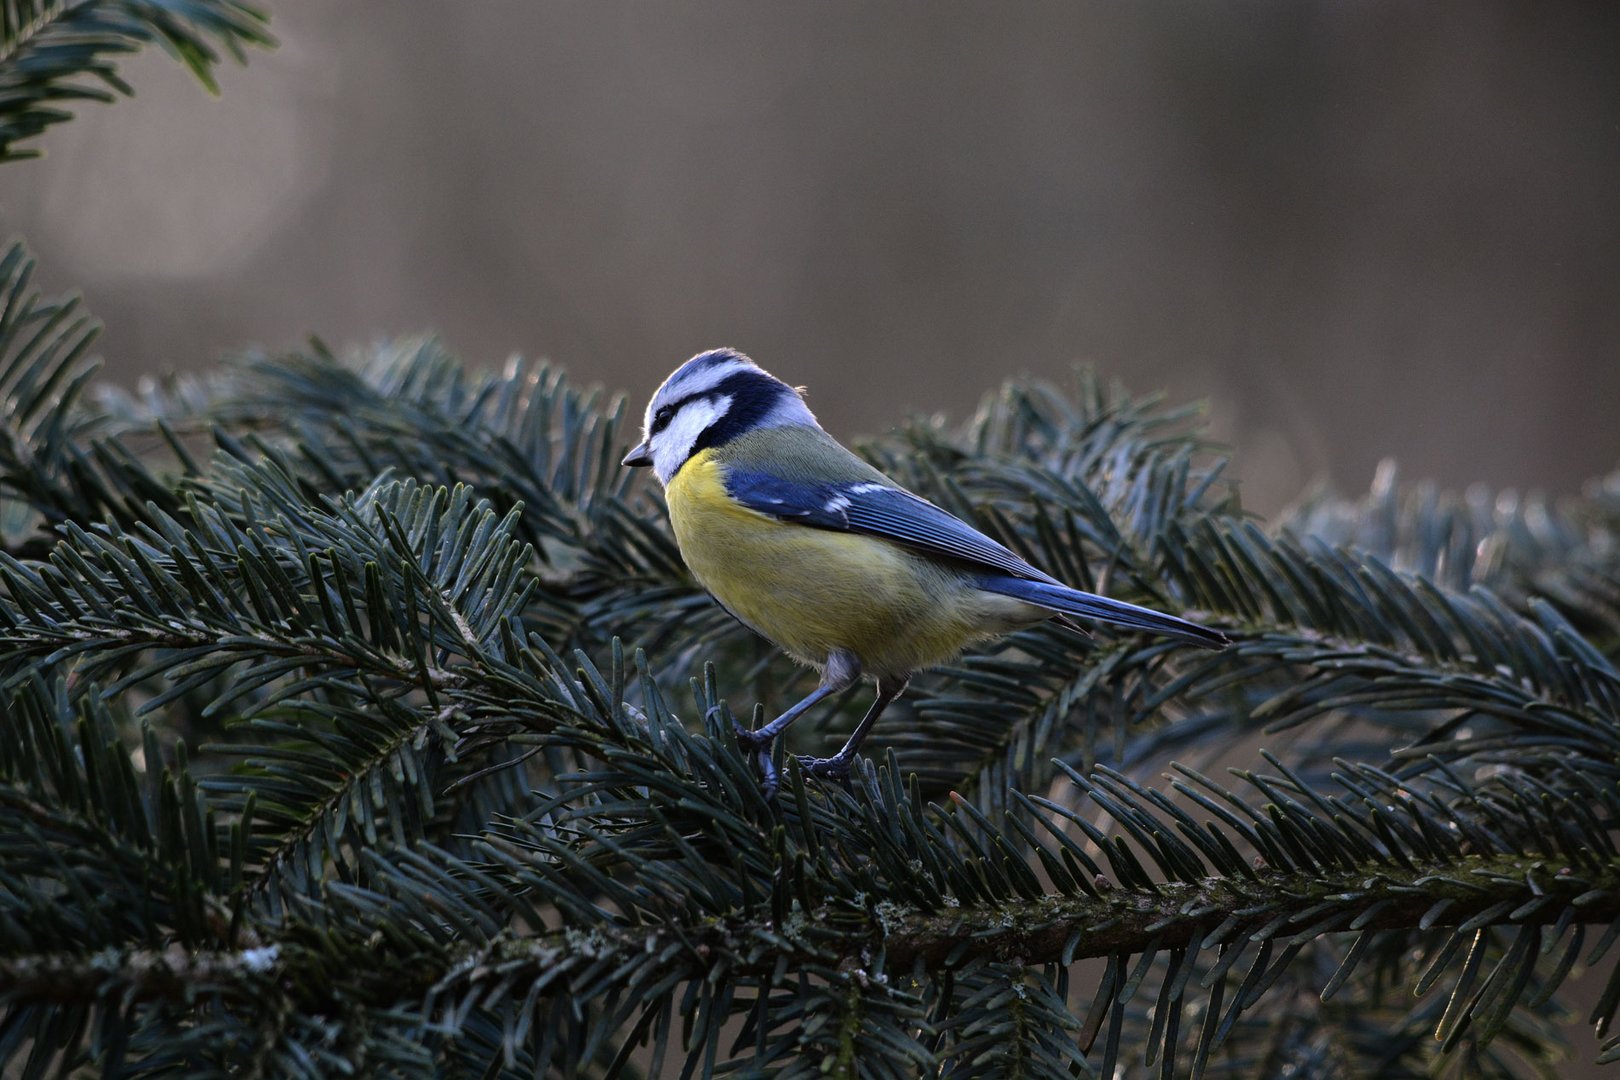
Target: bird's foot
{"points": [[760, 746], [828, 768]]}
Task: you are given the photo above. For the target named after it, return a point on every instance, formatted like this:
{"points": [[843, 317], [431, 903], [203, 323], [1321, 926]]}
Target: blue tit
{"points": [[829, 559]]}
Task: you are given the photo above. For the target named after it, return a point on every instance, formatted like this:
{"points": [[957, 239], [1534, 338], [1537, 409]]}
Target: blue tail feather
{"points": [[1061, 598]]}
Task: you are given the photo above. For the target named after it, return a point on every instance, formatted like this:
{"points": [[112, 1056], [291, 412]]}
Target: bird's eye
{"points": [[661, 419]]}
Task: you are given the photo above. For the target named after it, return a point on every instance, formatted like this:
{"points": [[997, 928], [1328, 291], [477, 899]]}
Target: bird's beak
{"points": [[638, 457]]}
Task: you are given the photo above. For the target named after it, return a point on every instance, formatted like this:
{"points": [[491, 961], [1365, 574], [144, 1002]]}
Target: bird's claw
{"points": [[827, 768], [750, 741]]}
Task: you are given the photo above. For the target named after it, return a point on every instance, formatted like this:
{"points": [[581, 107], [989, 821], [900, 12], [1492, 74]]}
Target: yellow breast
{"points": [[814, 590]]}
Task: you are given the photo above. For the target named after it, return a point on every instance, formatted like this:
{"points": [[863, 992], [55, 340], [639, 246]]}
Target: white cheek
{"points": [[672, 446]]}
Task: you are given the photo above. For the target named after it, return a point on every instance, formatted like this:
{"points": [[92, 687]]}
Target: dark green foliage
{"points": [[297, 780], [54, 53], [1517, 546]]}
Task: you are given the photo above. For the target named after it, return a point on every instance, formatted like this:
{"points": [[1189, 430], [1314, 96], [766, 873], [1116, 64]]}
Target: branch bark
{"points": [[1049, 929]]}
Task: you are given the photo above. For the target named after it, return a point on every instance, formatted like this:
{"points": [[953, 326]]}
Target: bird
{"points": [[829, 559]]}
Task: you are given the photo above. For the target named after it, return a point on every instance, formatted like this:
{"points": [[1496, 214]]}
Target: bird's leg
{"points": [[841, 672], [837, 766]]}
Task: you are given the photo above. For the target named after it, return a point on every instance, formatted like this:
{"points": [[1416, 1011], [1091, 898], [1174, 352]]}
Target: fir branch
{"points": [[59, 52], [1522, 547], [384, 584], [330, 631], [1369, 637], [521, 437], [1095, 487], [1248, 910], [457, 849], [84, 831], [44, 367], [175, 975]]}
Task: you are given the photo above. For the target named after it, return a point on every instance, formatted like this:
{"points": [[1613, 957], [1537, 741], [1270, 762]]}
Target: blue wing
{"points": [[880, 509], [876, 509]]}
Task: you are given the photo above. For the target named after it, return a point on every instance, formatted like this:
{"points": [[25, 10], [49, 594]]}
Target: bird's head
{"points": [[708, 401]]}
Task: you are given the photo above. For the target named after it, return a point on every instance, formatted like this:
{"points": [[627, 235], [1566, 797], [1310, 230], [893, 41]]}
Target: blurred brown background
{"points": [[1360, 229]]}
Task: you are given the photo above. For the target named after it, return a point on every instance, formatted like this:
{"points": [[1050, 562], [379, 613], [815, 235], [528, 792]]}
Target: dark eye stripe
{"points": [[752, 395], [666, 413], [752, 392]]}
